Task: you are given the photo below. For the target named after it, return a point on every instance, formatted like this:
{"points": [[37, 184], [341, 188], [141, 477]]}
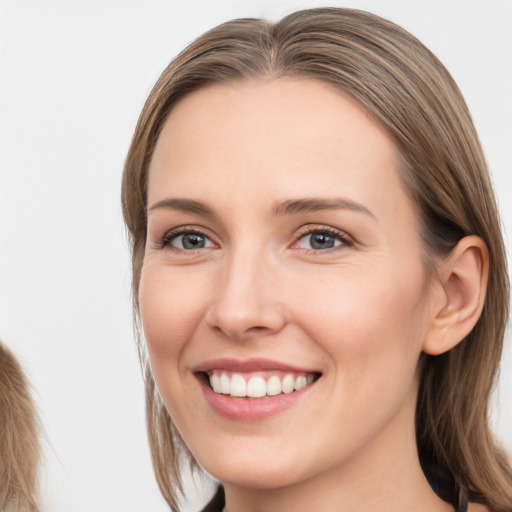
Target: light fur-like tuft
{"points": [[19, 441]]}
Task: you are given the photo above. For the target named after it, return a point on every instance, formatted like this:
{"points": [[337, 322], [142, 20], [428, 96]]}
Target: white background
{"points": [[73, 78]]}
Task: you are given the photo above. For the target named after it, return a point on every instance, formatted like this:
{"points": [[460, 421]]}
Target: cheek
{"points": [[370, 325], [170, 308]]}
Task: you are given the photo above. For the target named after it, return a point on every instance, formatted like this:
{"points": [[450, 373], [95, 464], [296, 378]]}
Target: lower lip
{"points": [[250, 409]]}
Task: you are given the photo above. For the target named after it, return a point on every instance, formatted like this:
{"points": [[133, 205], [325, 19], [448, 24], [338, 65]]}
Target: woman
{"points": [[319, 271]]}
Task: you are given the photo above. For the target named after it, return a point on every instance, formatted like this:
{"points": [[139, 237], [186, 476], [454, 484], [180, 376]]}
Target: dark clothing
{"points": [[446, 488], [217, 503]]}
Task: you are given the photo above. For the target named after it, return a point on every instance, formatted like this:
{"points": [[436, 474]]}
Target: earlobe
{"points": [[459, 295]]}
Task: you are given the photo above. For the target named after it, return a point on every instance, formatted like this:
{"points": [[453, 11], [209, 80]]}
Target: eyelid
{"points": [[310, 229], [164, 242]]}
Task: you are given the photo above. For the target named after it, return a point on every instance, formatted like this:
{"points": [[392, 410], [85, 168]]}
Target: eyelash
{"points": [[170, 236], [340, 236]]}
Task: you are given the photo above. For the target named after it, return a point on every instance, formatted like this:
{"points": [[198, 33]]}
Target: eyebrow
{"points": [[184, 205], [288, 207], [314, 204]]}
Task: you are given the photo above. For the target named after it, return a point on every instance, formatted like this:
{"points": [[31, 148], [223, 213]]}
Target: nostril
{"points": [[238, 319]]}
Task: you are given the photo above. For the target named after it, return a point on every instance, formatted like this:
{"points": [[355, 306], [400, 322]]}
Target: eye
{"points": [[186, 240], [191, 241], [322, 239]]}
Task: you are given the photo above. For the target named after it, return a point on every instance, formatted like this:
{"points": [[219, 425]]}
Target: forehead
{"points": [[265, 138]]}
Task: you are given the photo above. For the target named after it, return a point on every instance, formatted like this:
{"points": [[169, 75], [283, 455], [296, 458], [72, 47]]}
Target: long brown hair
{"points": [[410, 93], [19, 440]]}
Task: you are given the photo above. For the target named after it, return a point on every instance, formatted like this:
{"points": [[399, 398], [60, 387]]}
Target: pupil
{"points": [[320, 241], [193, 241]]}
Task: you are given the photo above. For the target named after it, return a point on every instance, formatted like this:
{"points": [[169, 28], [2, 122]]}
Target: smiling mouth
{"points": [[259, 384]]}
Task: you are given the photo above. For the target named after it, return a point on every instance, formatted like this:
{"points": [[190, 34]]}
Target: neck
{"points": [[385, 475], [383, 491]]}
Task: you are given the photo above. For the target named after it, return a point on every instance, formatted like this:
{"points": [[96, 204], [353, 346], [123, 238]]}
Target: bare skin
{"points": [[476, 507]]}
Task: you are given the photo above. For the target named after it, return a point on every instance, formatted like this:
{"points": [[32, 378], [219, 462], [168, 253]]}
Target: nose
{"points": [[247, 302]]}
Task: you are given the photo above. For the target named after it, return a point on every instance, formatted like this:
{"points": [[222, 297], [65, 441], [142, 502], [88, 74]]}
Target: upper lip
{"points": [[249, 365]]}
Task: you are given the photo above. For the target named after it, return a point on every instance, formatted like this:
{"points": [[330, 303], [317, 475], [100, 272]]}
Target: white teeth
{"points": [[288, 383], [300, 382], [256, 386], [225, 384], [273, 386], [238, 385], [215, 383]]}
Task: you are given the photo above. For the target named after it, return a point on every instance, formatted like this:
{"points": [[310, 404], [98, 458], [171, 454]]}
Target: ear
{"points": [[458, 295]]}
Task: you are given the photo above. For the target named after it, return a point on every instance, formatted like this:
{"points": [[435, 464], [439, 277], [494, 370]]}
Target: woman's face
{"points": [[282, 252]]}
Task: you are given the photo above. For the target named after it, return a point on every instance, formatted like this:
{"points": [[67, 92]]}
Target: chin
{"points": [[262, 464], [255, 474]]}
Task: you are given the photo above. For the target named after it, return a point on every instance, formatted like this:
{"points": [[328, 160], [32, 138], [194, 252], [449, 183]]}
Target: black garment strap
{"points": [[463, 500], [217, 503]]}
